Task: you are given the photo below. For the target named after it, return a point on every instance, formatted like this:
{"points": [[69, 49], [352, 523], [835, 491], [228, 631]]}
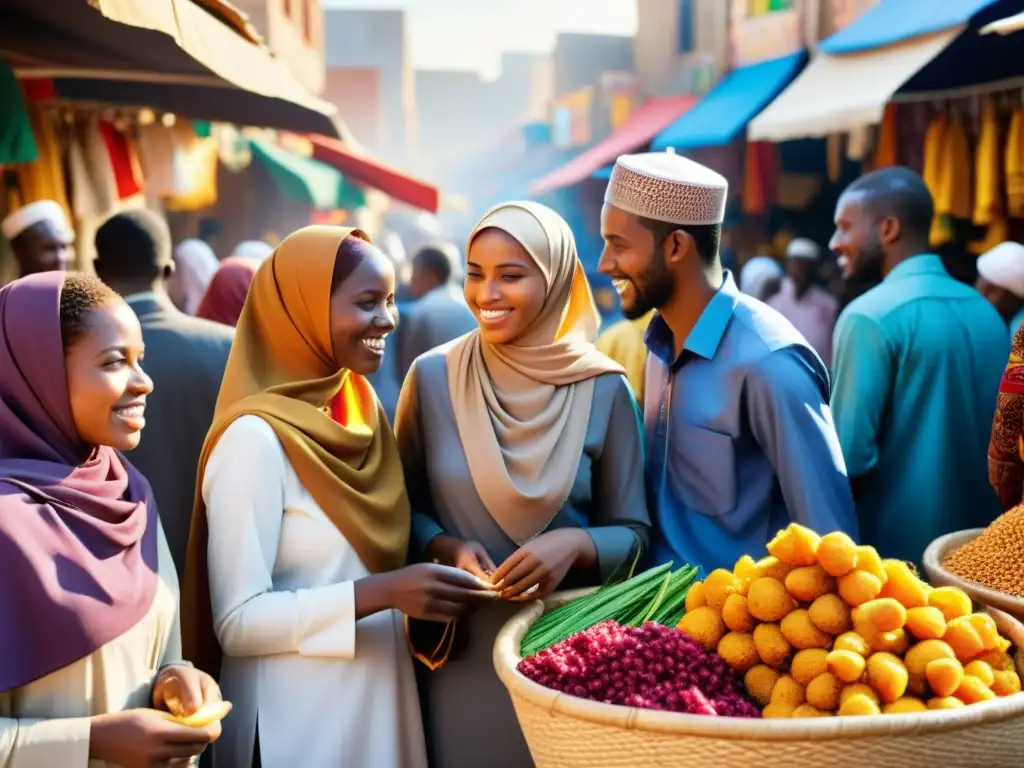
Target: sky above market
{"points": [[472, 34]]}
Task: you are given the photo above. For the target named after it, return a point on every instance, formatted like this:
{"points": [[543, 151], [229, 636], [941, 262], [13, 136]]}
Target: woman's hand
{"points": [[543, 563], [181, 690], [470, 556], [427, 591], [143, 738]]}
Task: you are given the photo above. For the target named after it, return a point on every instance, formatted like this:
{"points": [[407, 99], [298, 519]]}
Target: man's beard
{"points": [[658, 289], [869, 269]]}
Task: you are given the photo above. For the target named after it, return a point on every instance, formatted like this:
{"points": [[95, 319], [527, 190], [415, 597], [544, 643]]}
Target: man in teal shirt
{"points": [[918, 360]]}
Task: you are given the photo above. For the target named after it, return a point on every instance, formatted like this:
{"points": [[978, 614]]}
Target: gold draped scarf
{"points": [[282, 369]]}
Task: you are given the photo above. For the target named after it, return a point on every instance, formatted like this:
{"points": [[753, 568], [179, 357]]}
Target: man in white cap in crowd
{"points": [[1001, 281], [740, 440], [40, 237], [810, 308]]}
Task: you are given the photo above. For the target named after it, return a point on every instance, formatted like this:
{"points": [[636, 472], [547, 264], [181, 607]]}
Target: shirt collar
{"points": [[706, 335], [142, 296], [922, 264]]}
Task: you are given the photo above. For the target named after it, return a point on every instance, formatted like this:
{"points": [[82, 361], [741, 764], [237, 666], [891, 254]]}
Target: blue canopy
{"points": [[892, 21], [724, 112]]}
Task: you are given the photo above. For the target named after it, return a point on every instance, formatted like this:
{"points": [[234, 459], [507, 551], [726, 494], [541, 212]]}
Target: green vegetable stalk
{"points": [[657, 595]]}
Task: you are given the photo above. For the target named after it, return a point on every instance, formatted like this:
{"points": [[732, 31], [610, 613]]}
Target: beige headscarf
{"points": [[522, 408]]}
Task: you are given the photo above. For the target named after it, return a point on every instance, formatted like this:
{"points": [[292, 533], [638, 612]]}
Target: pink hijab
{"points": [[226, 294], [78, 526]]}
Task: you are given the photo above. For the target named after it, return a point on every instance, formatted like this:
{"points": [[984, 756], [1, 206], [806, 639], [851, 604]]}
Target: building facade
{"points": [[681, 46], [293, 30], [686, 46], [375, 40]]}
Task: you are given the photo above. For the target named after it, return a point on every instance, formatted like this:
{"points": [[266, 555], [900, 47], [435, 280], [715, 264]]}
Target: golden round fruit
{"points": [[768, 600]]}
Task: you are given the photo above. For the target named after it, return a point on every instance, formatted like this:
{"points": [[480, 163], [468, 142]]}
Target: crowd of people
{"points": [[205, 493]]}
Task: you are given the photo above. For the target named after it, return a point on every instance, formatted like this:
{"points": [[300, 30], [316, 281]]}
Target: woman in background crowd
{"points": [[226, 293], [294, 579], [195, 264], [253, 249], [88, 592], [522, 450]]}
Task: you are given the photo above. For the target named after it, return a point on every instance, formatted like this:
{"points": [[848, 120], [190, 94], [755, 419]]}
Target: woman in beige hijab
{"points": [[521, 445]]}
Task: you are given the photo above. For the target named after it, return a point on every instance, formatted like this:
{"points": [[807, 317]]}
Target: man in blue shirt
{"points": [[918, 360], [739, 435]]}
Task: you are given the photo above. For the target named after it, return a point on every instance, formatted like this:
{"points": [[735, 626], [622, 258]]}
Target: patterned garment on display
{"points": [[1006, 449]]}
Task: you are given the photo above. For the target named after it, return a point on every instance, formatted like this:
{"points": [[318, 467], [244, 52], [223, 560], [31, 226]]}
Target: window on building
{"points": [[761, 7], [687, 39]]}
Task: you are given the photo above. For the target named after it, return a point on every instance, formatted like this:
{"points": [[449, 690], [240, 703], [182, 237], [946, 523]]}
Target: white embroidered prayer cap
{"points": [[32, 214], [1003, 266], [668, 187], [802, 248]]}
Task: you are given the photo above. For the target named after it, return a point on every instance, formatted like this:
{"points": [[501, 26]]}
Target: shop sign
{"points": [[619, 95], [570, 126], [756, 37], [701, 74]]}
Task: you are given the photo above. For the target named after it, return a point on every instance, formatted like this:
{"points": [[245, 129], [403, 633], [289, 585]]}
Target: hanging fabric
{"points": [[17, 144], [93, 185], [44, 179], [1013, 160], [200, 166], [887, 149], [123, 160], [988, 182], [834, 159]]}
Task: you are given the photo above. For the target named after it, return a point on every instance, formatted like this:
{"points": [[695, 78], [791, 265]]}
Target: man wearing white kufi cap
{"points": [[1001, 281], [810, 308], [40, 237], [740, 439]]}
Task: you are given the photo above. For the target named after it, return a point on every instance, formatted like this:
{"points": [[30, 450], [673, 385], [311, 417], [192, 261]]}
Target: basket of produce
{"points": [[986, 563], [820, 654]]}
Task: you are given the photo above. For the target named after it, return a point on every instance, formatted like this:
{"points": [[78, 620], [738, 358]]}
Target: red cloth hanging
{"points": [[123, 159]]}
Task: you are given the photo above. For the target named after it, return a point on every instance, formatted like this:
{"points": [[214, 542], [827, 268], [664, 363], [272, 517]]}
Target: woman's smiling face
{"points": [[363, 313], [107, 387], [504, 287]]}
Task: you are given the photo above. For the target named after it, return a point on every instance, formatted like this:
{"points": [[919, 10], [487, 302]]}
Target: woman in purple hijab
{"points": [[89, 645]]}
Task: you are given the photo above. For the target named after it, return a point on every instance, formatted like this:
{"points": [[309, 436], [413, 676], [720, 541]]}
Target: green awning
{"points": [[306, 180], [17, 145]]}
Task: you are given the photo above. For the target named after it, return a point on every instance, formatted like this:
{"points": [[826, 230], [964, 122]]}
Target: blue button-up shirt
{"points": [[740, 439], [918, 360]]}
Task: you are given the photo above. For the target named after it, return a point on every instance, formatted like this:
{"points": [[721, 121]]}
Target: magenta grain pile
{"points": [[653, 667]]}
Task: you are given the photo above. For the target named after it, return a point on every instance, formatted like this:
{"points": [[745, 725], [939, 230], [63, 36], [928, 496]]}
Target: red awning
{"points": [[653, 116], [372, 173]]}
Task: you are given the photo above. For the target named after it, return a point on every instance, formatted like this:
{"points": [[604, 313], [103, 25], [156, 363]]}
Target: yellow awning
{"points": [[215, 45], [836, 94]]}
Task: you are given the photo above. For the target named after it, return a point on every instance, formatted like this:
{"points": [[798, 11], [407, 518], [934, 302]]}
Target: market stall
{"points": [[820, 653], [171, 55]]}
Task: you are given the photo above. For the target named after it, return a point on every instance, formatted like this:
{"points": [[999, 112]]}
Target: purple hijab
{"points": [[78, 529]]}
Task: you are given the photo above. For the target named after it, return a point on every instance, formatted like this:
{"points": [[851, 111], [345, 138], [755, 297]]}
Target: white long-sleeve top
{"points": [[326, 690]]}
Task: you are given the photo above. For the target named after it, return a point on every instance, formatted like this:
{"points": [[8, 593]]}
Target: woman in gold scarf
{"points": [[522, 451], [294, 579]]}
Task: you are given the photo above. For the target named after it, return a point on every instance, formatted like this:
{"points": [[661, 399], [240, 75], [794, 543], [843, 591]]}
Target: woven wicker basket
{"points": [[567, 732], [940, 549]]}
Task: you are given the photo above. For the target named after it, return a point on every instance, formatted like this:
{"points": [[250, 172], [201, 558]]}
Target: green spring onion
{"points": [[657, 595]]}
